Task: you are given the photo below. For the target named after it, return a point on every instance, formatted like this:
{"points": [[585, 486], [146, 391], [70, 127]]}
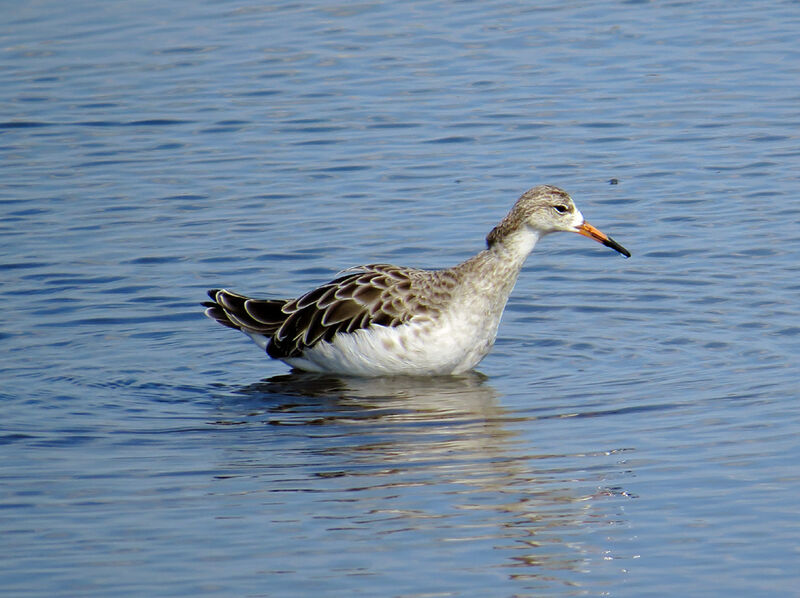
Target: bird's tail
{"points": [[251, 316]]}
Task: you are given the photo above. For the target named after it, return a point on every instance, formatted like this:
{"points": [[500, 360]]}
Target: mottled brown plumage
{"points": [[375, 294]]}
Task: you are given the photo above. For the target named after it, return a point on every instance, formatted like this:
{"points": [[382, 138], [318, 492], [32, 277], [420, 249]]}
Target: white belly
{"points": [[451, 345]]}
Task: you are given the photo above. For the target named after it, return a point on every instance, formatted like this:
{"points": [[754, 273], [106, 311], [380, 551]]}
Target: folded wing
{"points": [[377, 294]]}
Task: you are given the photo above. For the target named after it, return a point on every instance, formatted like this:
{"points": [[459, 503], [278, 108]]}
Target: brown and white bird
{"points": [[383, 320]]}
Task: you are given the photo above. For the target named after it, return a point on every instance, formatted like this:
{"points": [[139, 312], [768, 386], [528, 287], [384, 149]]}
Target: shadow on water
{"points": [[438, 457]]}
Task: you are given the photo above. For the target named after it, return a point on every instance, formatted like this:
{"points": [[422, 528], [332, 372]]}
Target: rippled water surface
{"points": [[633, 433]]}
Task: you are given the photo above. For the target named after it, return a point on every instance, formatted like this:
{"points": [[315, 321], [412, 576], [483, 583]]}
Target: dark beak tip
{"points": [[609, 242]]}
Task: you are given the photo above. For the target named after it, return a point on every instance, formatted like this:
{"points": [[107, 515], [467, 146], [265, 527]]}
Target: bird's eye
{"points": [[561, 209]]}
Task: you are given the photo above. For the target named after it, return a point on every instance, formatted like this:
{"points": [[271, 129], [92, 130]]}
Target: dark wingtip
{"points": [[213, 293]]}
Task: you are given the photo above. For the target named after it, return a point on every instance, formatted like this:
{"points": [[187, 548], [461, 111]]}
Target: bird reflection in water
{"points": [[436, 456]]}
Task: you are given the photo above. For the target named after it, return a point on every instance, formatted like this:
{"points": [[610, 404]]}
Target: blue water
{"points": [[635, 430]]}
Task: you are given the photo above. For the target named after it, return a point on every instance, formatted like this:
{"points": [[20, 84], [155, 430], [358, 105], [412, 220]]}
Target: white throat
{"points": [[519, 244]]}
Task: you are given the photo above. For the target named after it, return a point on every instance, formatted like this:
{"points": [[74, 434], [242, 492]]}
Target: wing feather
{"points": [[243, 313], [342, 311], [267, 312]]}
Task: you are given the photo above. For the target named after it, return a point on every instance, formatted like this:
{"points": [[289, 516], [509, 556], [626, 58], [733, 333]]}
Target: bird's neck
{"points": [[498, 266], [516, 246]]}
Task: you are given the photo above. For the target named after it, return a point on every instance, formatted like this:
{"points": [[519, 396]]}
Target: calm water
{"points": [[634, 432]]}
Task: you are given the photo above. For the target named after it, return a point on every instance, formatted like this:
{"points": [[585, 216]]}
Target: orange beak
{"points": [[587, 230]]}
